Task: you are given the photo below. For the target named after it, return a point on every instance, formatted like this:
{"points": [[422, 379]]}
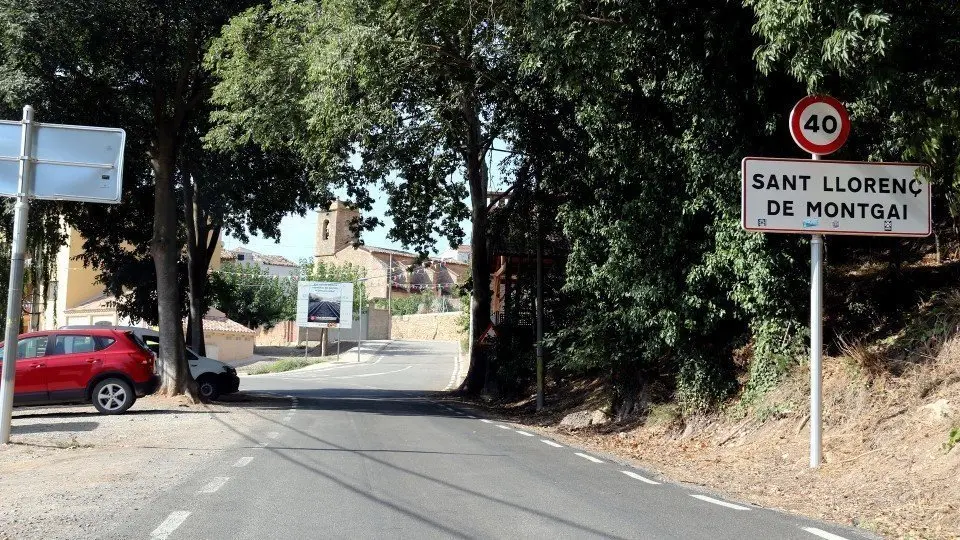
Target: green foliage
{"points": [[340, 273], [248, 294], [952, 439], [287, 364], [664, 281], [427, 301]]}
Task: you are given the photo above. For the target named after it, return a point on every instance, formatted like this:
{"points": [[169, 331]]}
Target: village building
{"points": [[272, 265], [389, 271], [76, 298]]}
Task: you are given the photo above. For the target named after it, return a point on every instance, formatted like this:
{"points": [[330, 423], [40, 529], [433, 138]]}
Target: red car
{"points": [[109, 368]]}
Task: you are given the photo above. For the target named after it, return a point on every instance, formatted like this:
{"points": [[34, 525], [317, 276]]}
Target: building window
{"points": [[326, 229]]}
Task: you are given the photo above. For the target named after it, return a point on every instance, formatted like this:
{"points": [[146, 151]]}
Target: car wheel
{"points": [[208, 388], [113, 396]]}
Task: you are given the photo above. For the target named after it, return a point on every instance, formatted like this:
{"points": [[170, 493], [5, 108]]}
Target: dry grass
{"points": [[886, 467]]}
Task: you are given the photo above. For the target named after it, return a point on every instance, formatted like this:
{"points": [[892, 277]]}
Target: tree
{"points": [[155, 87], [247, 293], [238, 191], [413, 89], [641, 113], [892, 65]]}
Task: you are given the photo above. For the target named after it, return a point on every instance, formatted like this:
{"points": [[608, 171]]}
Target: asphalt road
{"points": [[361, 452]]}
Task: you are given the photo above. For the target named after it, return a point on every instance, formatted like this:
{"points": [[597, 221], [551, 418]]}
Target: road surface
{"points": [[362, 452]]}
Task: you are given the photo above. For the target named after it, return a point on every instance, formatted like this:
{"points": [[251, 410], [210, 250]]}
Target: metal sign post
{"points": [[817, 197], [816, 343], [360, 328], [15, 291], [57, 162]]}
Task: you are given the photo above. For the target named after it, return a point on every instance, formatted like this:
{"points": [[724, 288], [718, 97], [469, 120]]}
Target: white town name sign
{"points": [[835, 197]]}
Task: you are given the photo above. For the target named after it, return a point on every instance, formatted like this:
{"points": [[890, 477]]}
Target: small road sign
{"points": [[819, 124], [835, 197], [70, 163]]}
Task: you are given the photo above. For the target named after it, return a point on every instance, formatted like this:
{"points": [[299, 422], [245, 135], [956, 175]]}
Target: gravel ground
{"points": [[70, 472]]}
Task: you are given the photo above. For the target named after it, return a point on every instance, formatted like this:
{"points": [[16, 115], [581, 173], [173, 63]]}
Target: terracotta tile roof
{"points": [[373, 249], [273, 260], [97, 303], [225, 325]]}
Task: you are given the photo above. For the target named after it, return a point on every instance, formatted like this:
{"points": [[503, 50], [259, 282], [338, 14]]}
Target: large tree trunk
{"points": [[174, 372], [477, 375], [202, 238]]}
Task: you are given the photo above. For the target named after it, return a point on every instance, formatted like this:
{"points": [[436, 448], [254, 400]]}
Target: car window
{"points": [[34, 347], [102, 342], [66, 344], [152, 343], [139, 340]]}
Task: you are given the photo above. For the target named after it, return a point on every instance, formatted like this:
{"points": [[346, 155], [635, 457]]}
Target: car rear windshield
{"points": [[136, 339]]}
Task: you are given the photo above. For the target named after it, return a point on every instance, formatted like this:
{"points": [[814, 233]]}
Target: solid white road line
{"points": [[485, 421], [551, 443], [524, 433], [243, 462], [823, 534], [589, 457], [502, 426], [718, 501], [371, 374], [273, 434], [636, 476], [174, 520], [471, 417], [214, 484]]}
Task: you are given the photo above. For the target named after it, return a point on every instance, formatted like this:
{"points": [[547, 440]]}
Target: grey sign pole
{"points": [[816, 343], [15, 291], [359, 325]]}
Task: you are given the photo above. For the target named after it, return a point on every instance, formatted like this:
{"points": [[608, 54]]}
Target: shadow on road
{"points": [[95, 414], [24, 429], [395, 403]]}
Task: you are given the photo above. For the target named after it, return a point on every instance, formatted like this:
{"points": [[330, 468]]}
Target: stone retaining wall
{"points": [[428, 327]]}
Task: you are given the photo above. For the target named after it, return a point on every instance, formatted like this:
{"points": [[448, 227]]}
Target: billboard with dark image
{"points": [[323, 309]]}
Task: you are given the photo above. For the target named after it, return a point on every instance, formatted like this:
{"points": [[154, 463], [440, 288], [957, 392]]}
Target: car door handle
{"points": [[37, 365], [92, 360]]}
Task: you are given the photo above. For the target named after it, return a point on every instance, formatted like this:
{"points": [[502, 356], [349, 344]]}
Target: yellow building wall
{"points": [[228, 347]]}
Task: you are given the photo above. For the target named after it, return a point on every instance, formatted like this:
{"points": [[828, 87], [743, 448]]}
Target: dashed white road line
{"points": [[471, 417], [636, 476], [551, 443], [174, 520], [264, 443], [273, 434], [214, 484], [485, 421], [589, 457], [719, 502], [524, 433], [823, 534], [502, 426], [243, 462]]}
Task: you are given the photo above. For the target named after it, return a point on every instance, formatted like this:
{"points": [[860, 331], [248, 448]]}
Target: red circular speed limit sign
{"points": [[819, 124]]}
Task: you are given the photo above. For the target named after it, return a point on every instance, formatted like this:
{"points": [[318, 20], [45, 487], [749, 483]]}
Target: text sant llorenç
{"points": [[836, 184]]}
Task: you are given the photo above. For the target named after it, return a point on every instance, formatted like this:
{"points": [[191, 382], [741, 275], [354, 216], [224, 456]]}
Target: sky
{"points": [[297, 233]]}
